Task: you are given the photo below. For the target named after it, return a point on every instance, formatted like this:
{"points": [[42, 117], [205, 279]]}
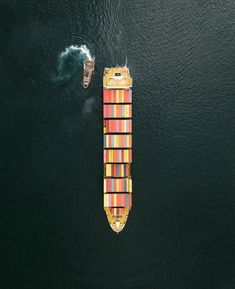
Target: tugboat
{"points": [[89, 66]]}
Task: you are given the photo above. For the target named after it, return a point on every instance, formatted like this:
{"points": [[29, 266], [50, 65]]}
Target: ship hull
{"points": [[88, 69], [117, 145]]}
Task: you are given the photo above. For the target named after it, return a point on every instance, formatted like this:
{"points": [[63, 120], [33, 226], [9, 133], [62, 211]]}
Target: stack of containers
{"points": [[117, 113]]}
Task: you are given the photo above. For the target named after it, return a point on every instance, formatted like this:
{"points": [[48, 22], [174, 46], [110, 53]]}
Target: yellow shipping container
{"points": [[108, 170], [106, 200], [130, 185]]}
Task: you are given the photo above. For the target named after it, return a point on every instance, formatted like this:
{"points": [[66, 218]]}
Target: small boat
{"points": [[89, 66]]}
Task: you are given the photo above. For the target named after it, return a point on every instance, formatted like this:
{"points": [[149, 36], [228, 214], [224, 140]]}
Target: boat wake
{"points": [[70, 61]]}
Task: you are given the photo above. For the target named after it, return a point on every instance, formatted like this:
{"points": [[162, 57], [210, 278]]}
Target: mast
{"points": [[117, 113]]}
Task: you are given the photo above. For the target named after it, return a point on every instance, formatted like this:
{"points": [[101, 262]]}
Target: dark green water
{"points": [[180, 232]]}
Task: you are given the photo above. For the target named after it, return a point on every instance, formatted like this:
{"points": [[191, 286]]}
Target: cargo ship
{"points": [[117, 145], [88, 69]]}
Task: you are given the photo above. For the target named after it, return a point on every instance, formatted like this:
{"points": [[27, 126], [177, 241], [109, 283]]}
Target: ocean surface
{"points": [[180, 233]]}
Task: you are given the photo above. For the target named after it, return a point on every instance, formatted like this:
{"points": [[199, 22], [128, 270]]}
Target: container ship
{"points": [[117, 145]]}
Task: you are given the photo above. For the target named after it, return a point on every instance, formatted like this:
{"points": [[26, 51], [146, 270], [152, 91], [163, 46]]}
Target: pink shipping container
{"points": [[117, 110], [117, 185], [118, 200], [117, 170], [117, 96], [118, 125], [117, 141]]}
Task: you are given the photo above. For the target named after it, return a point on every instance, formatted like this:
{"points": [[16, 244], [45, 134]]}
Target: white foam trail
{"points": [[88, 106], [69, 61], [126, 62], [82, 49], [85, 51]]}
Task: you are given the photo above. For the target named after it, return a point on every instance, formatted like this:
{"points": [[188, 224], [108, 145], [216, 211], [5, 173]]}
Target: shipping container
{"points": [[117, 141], [117, 170], [118, 156], [117, 110], [118, 200], [117, 95], [117, 185], [117, 126], [117, 212]]}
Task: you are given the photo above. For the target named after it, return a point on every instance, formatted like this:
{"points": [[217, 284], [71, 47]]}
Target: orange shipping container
{"points": [[117, 200], [117, 170], [117, 110], [117, 185], [118, 156], [117, 141], [117, 95], [117, 125]]}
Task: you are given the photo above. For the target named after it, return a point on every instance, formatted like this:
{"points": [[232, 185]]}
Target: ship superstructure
{"points": [[117, 114]]}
